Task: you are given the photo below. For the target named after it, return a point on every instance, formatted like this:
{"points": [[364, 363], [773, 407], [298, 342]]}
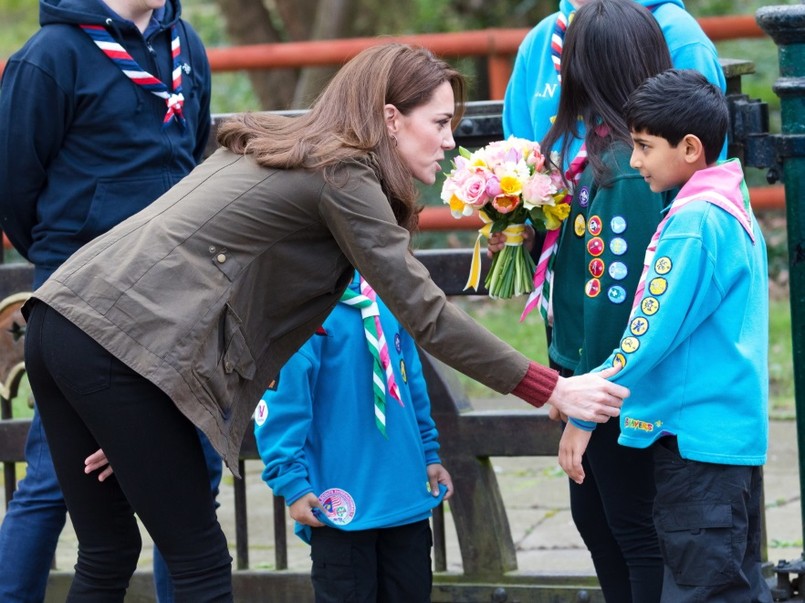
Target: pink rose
{"points": [[473, 190], [538, 189]]}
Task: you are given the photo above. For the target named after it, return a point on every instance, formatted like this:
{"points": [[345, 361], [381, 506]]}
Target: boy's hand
{"points": [[589, 397], [95, 461], [437, 474], [302, 510], [571, 448]]}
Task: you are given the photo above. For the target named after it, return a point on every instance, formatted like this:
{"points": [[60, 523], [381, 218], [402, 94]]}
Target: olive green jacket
{"points": [[211, 288]]}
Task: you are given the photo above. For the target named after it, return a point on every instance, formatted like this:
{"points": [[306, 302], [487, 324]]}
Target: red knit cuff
{"points": [[537, 385]]}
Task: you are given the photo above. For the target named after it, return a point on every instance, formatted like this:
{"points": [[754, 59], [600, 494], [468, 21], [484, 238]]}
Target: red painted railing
{"points": [[498, 45]]}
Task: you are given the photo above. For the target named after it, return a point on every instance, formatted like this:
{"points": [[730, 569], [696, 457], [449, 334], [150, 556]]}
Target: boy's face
{"points": [[662, 166]]}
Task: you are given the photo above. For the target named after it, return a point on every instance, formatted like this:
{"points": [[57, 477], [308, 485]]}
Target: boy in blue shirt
{"points": [[696, 348], [347, 439]]}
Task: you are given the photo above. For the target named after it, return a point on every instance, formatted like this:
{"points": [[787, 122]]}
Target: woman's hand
{"points": [[302, 510], [95, 461], [589, 397]]}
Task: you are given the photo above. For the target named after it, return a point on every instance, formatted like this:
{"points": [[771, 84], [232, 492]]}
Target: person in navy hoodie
{"points": [[83, 146], [347, 439], [695, 352]]}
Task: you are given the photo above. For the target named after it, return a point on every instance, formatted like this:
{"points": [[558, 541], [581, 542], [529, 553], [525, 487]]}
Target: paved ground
{"points": [[535, 492]]}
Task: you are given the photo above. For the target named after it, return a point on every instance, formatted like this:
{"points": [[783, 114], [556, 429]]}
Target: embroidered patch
{"points": [[593, 287], [619, 359], [663, 265], [618, 245], [630, 423], [617, 294], [584, 196], [657, 286], [403, 372], [595, 226], [261, 413], [397, 343], [596, 267], [339, 506], [630, 344], [595, 246], [618, 270], [649, 306], [638, 326], [617, 224], [579, 226]]}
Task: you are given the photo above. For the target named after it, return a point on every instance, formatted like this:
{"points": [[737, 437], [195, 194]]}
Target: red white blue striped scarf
{"points": [[120, 57]]}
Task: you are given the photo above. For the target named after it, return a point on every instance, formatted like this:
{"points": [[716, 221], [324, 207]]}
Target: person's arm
{"points": [[282, 435], [675, 302], [681, 291], [362, 222], [201, 68], [420, 398], [34, 118]]}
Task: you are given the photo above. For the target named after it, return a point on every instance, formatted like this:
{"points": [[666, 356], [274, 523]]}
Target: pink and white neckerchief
{"points": [[120, 57], [382, 371], [739, 212], [543, 275]]}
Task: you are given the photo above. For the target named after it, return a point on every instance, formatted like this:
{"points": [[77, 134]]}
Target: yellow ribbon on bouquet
{"points": [[515, 233]]}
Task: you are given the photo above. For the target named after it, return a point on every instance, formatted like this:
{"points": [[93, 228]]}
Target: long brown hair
{"points": [[347, 120]]}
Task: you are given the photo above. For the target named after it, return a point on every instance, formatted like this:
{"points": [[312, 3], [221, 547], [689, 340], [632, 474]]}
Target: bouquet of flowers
{"points": [[507, 182]]}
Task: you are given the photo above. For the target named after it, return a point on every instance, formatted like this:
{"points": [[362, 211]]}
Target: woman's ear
{"points": [[390, 114], [693, 148]]}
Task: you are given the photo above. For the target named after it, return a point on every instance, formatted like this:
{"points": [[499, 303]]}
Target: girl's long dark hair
{"points": [[610, 48]]}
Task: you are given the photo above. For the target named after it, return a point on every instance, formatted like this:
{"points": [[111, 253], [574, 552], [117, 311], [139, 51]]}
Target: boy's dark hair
{"points": [[677, 102]]}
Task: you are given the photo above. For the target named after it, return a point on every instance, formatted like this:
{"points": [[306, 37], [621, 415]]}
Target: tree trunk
{"points": [[329, 24], [249, 22]]}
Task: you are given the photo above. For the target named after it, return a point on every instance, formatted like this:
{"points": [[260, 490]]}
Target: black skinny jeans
{"points": [[87, 400]]}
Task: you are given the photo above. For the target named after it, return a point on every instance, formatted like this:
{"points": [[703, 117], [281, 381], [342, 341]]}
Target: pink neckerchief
{"points": [[698, 189]]}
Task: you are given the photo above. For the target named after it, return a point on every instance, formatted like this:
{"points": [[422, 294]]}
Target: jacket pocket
{"points": [[697, 543], [221, 372]]}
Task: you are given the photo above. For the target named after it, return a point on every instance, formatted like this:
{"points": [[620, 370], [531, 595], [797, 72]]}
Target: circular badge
{"points": [[663, 265], [595, 226], [638, 326], [584, 196], [617, 294], [649, 306], [619, 359], [658, 285], [593, 287], [630, 344], [618, 270], [261, 413], [618, 245], [617, 224], [595, 246], [596, 267], [579, 227], [403, 372], [397, 343], [339, 506]]}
